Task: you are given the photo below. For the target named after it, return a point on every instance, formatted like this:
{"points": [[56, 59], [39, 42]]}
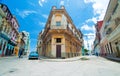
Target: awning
{"points": [[5, 36], [12, 42]]}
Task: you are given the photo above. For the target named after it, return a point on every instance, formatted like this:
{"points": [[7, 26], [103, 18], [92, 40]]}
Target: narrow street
{"points": [[95, 66]]}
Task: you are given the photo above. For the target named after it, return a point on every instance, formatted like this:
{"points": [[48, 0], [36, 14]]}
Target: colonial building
{"points": [[110, 31], [98, 37], [60, 38], [8, 31], [26, 39], [23, 43]]}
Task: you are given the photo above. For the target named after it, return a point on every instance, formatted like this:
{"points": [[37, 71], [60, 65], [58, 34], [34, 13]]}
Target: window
{"points": [[117, 21], [58, 40], [115, 9], [58, 23], [4, 8]]}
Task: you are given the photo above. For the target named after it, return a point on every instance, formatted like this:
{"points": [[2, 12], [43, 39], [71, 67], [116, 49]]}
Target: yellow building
{"points": [[17, 47], [60, 38], [20, 44]]}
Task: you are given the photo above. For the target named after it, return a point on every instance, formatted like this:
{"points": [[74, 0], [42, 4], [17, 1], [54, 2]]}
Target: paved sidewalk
{"points": [[67, 59], [11, 57], [114, 59], [6, 57]]}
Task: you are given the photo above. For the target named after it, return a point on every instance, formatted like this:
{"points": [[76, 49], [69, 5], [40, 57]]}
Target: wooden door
{"points": [[58, 51]]}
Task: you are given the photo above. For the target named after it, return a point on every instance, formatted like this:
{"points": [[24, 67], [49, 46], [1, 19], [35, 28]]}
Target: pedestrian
{"points": [[96, 54], [20, 53]]}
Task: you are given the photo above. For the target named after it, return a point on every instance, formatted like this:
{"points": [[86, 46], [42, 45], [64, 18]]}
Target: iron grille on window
{"points": [[58, 23]]}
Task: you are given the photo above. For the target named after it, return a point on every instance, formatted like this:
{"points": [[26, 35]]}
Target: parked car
{"points": [[33, 55]]}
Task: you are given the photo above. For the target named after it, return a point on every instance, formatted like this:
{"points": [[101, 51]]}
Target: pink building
{"points": [[98, 37]]}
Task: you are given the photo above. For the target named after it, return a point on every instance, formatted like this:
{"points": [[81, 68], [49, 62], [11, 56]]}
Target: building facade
{"points": [[23, 43], [26, 39], [97, 38], [110, 32], [60, 38], [8, 31]]}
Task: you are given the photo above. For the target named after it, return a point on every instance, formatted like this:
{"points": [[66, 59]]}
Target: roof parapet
{"points": [[54, 7], [62, 7]]}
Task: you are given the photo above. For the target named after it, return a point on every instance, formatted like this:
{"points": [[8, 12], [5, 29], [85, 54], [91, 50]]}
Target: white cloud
{"points": [[32, 4], [88, 40], [94, 19], [25, 13], [67, 2], [41, 2], [88, 28], [90, 35], [61, 2], [99, 7], [88, 1], [42, 24], [45, 16]]}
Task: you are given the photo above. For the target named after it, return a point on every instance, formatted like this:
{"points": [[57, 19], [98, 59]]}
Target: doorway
{"points": [[58, 51]]}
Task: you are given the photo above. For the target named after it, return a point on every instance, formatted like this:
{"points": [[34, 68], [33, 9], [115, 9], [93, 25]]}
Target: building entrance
{"points": [[58, 51]]}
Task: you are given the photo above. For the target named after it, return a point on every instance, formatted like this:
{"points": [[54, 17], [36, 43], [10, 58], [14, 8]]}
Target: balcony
{"points": [[4, 35], [71, 32], [45, 32], [107, 24], [115, 33], [2, 13], [117, 21], [109, 30], [12, 42]]}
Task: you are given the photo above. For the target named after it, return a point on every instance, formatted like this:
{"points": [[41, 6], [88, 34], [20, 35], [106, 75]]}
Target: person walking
{"points": [[97, 54], [20, 53]]}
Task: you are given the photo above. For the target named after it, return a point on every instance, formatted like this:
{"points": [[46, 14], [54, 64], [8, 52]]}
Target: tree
{"points": [[86, 51]]}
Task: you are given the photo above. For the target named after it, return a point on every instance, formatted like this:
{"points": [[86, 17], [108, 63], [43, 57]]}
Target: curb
{"points": [[63, 60], [113, 59]]}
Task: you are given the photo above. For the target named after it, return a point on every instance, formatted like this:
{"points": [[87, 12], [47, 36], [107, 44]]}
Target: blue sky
{"points": [[32, 15]]}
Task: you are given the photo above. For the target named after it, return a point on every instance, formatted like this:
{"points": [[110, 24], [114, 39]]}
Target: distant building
{"points": [[23, 43], [8, 31], [110, 31], [60, 38], [98, 37], [26, 38]]}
